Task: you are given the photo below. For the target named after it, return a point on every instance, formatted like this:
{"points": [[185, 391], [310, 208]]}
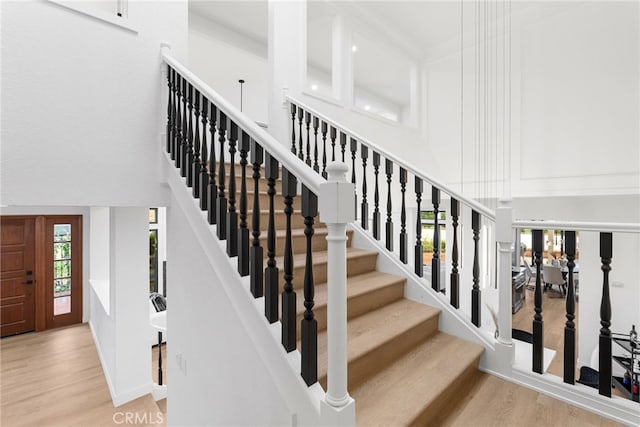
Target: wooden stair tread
{"points": [[321, 257], [356, 285], [418, 383], [372, 330]]}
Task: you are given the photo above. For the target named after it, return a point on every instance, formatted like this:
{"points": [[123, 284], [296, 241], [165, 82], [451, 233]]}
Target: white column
{"points": [[287, 39], [336, 199], [504, 237]]}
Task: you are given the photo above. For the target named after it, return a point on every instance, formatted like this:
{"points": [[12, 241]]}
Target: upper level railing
{"points": [[204, 133], [569, 247]]}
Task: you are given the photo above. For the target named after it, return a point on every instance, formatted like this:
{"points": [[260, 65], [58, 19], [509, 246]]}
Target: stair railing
{"points": [[330, 140], [569, 247], [201, 128]]}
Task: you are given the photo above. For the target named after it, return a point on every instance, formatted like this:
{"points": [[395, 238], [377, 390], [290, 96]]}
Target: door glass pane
{"points": [[61, 251], [61, 269], [61, 287], [62, 233], [62, 305]]}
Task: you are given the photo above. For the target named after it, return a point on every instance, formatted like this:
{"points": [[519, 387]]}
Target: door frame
{"points": [[42, 321]]}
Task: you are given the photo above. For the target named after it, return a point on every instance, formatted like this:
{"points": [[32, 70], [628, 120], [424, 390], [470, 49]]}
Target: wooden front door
{"points": [[17, 281]]}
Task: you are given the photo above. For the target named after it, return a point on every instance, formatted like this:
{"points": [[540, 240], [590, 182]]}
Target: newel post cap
{"points": [[504, 220], [336, 196]]}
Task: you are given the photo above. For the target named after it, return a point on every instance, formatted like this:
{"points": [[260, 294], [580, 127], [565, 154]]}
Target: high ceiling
{"points": [[392, 33]]}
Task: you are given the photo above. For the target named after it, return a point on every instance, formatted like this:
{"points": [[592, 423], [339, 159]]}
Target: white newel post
{"points": [[336, 198], [504, 237]]}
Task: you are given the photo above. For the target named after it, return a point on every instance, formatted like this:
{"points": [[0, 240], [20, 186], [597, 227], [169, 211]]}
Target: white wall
{"points": [[224, 371], [221, 57], [82, 103], [575, 104], [121, 335]]}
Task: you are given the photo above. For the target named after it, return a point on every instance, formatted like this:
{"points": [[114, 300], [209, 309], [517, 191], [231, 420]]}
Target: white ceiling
{"points": [[246, 17], [391, 33]]}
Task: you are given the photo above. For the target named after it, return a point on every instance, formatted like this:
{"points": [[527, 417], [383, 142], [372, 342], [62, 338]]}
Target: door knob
{"points": [[28, 282]]}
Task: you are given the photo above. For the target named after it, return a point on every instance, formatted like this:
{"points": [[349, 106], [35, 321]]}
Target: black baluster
{"points": [[221, 218], [475, 291], [204, 177], [316, 123], [271, 272], [343, 144], [232, 216], [403, 216], [606, 253], [309, 325], [243, 231], [293, 128], [289, 184], [376, 197], [570, 302], [435, 261], [185, 138], [418, 252], [333, 143], [159, 358], [169, 110], [364, 207], [455, 276], [324, 150], [538, 323], [389, 224], [195, 173], [189, 165], [307, 120], [212, 202], [256, 252], [300, 144], [176, 117], [354, 149], [180, 142]]}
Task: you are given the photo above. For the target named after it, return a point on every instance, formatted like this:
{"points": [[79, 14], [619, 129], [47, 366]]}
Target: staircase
{"points": [[402, 370]]}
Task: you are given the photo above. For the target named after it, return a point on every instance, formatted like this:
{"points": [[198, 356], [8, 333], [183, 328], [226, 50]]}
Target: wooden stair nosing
{"points": [[359, 261], [365, 292], [380, 337], [419, 383]]}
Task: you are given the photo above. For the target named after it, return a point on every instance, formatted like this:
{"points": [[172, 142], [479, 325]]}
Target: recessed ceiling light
{"points": [[314, 87], [354, 48], [367, 107]]}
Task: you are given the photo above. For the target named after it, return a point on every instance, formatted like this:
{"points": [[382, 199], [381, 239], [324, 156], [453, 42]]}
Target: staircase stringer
{"points": [[304, 401]]}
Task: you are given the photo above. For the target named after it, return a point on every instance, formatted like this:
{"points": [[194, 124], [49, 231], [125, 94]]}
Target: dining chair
{"points": [[553, 276], [530, 274]]}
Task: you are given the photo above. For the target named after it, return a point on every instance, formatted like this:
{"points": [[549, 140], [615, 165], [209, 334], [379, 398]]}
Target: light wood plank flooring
{"points": [[54, 378], [554, 317]]}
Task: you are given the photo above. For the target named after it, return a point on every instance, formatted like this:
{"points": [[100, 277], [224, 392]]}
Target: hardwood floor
{"points": [[554, 317], [54, 378]]}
